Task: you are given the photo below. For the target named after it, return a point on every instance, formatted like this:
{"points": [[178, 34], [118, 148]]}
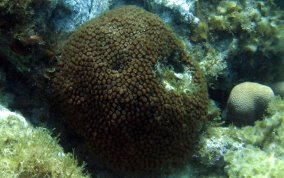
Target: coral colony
{"points": [[141, 88], [110, 93]]}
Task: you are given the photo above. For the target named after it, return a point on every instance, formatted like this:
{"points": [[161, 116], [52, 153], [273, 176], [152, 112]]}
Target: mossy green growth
{"points": [[251, 151], [176, 78], [20, 10], [200, 33], [263, 155], [12, 5], [211, 62], [217, 140], [269, 131], [247, 34], [215, 143], [253, 162], [31, 152], [258, 25]]}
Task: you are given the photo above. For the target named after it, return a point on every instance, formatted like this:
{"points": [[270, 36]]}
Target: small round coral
{"points": [[109, 90], [247, 103]]}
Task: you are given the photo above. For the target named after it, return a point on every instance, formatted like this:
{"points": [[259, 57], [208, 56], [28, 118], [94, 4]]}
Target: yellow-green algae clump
{"points": [[26, 151], [241, 36], [264, 151], [251, 151]]}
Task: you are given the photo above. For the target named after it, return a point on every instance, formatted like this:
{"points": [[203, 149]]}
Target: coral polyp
{"points": [[110, 91]]}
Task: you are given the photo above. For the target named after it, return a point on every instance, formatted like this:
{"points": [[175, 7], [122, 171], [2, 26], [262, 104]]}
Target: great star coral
{"points": [[109, 91]]}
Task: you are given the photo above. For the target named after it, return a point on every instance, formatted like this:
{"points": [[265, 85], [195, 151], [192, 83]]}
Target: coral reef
{"points": [[32, 152], [109, 89], [251, 151], [215, 143], [25, 45], [251, 20], [16, 27], [22, 10], [179, 14], [263, 154], [70, 14], [278, 88], [125, 83], [279, 3], [253, 162], [212, 63], [246, 35], [28, 50], [247, 103], [183, 8]]}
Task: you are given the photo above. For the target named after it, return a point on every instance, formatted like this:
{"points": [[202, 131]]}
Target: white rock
{"points": [[6, 113], [80, 12], [184, 8]]}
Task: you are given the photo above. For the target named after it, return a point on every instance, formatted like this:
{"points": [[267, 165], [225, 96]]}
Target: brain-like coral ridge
{"points": [[247, 102], [108, 90]]}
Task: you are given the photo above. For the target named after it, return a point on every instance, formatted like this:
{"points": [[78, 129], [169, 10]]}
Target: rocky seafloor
{"points": [[238, 45]]}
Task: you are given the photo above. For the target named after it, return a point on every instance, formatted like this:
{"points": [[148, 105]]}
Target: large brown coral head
{"points": [[109, 90]]}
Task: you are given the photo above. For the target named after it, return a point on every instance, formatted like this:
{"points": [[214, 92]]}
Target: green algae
{"points": [[31, 152], [251, 151]]}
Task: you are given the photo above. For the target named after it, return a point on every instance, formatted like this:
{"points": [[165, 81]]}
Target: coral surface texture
{"points": [[107, 87], [247, 102]]}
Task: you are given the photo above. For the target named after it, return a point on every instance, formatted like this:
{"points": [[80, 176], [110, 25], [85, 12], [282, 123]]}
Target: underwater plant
{"points": [[211, 61], [251, 151], [263, 153], [26, 151], [109, 89], [25, 34], [248, 35], [259, 25]]}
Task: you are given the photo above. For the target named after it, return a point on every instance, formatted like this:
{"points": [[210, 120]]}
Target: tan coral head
{"points": [[247, 103]]}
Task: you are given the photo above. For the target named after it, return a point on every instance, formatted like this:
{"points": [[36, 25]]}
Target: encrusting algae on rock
{"points": [[124, 82], [250, 151], [110, 92], [26, 151]]}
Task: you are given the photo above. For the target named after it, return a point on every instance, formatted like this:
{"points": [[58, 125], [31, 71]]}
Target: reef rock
{"points": [[28, 151], [72, 13], [184, 9]]}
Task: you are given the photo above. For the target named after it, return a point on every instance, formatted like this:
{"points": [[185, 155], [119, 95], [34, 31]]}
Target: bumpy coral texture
{"points": [[247, 102], [108, 90]]}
